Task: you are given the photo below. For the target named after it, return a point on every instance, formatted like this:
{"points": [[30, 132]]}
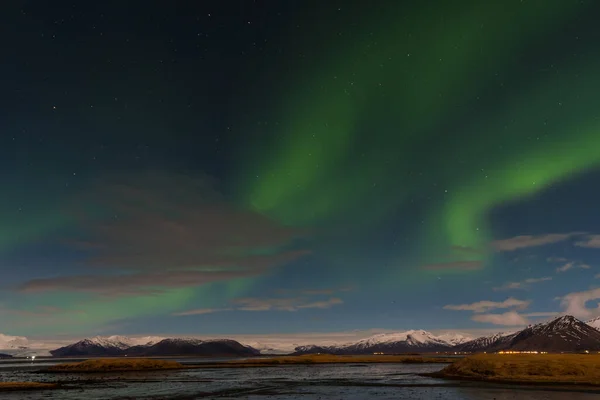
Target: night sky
{"points": [[261, 167]]}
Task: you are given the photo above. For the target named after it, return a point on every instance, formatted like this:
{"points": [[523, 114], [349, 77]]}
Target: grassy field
{"points": [[528, 368], [10, 386], [327, 359], [115, 364]]}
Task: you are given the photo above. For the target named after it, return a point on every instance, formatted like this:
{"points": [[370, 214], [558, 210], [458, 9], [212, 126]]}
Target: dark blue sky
{"points": [[261, 167]]}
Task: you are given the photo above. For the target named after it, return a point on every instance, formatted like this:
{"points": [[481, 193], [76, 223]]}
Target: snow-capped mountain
{"points": [[561, 334], [152, 346], [400, 342], [22, 346], [271, 348], [124, 341], [102, 345], [455, 339], [413, 338], [12, 342], [564, 333], [485, 342], [594, 323], [191, 346], [315, 349]]}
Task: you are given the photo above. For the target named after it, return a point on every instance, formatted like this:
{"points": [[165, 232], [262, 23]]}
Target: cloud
{"points": [[571, 265], [267, 304], [40, 311], [591, 241], [315, 292], [201, 311], [149, 231], [509, 318], [541, 314], [536, 280], [282, 304], [483, 306], [460, 265], [576, 303], [140, 284], [522, 284], [526, 241], [597, 276], [510, 286], [300, 299]]}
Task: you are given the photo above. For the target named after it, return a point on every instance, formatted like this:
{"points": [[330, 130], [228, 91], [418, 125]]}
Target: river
{"points": [[307, 382]]}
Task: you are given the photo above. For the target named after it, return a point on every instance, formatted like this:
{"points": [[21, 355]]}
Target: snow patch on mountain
{"points": [[416, 338], [12, 342], [122, 342], [454, 338], [272, 348], [594, 323], [21, 346]]}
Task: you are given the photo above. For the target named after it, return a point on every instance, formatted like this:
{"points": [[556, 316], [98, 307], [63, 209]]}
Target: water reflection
{"points": [[354, 381]]}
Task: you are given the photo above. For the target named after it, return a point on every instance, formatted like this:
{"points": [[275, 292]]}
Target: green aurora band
{"points": [[376, 123], [418, 104]]}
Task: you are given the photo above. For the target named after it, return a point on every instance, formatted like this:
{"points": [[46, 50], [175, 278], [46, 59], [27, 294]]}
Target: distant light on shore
{"points": [[522, 352]]}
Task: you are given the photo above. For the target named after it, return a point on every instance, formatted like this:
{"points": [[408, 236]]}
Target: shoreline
{"points": [[550, 370], [504, 381], [27, 386], [143, 364]]}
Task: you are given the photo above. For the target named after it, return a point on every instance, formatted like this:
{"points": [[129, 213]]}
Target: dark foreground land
{"points": [[116, 365], [148, 364], [556, 369], [18, 386], [316, 376], [327, 359]]}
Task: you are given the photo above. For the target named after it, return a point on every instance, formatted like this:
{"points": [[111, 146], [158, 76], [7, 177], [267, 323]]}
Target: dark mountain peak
{"points": [[179, 341], [118, 346], [561, 334], [564, 321]]}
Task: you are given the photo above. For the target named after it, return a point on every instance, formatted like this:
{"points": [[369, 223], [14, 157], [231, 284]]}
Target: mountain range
{"points": [[562, 334], [122, 346], [565, 333]]}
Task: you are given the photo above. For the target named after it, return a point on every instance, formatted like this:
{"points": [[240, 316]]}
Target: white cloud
{"points": [[541, 314], [483, 306], [509, 318], [180, 232], [525, 241], [572, 265], [510, 286], [522, 284], [258, 304], [304, 298], [200, 311], [591, 241], [576, 303]]}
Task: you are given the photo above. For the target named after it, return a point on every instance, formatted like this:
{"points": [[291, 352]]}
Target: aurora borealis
{"points": [[298, 166]]}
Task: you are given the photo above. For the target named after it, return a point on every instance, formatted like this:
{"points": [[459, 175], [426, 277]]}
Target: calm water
{"points": [[350, 381]]}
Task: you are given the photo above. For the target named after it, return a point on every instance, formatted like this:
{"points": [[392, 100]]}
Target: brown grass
{"points": [[116, 364], [333, 359], [10, 386], [533, 368]]}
